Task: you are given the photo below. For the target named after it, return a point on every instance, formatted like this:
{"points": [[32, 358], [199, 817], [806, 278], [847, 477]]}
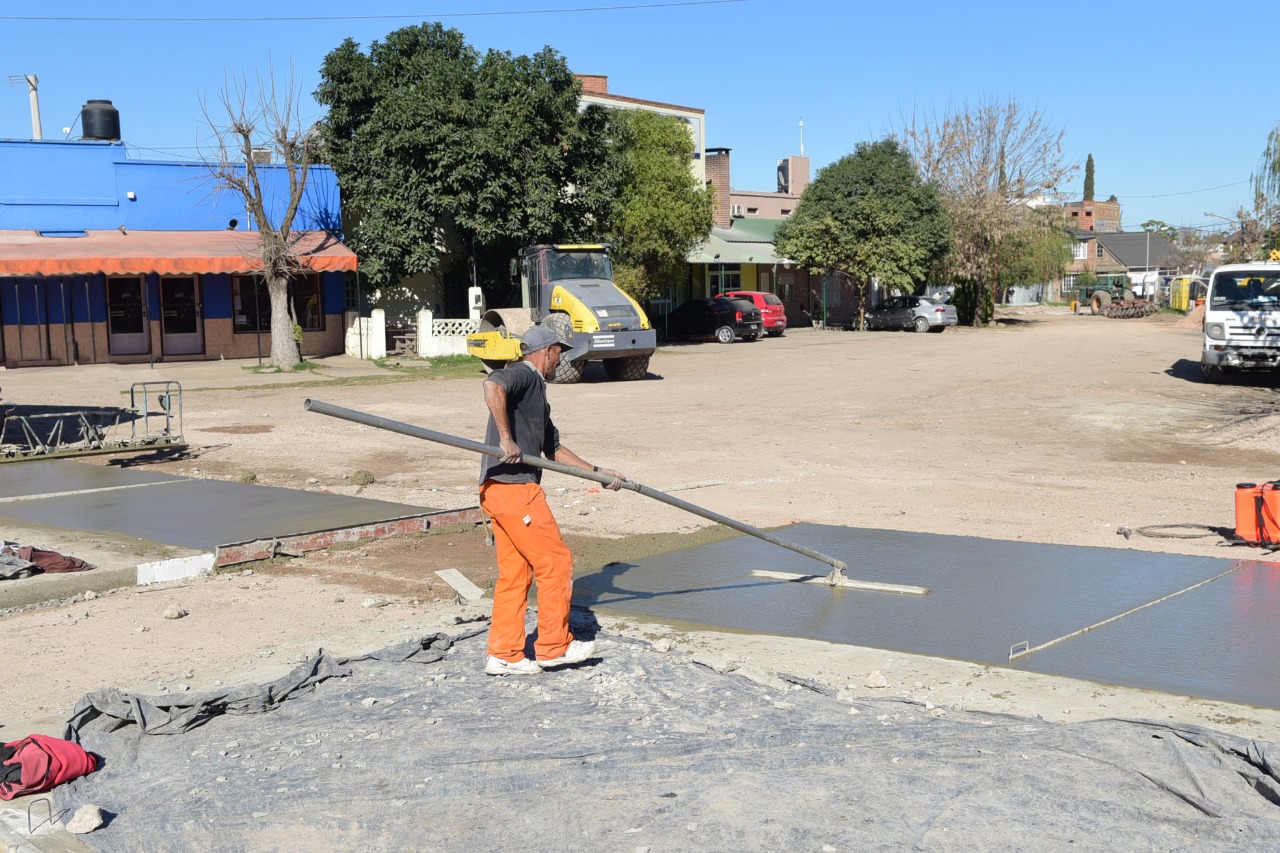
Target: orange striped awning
{"points": [[29, 253]]}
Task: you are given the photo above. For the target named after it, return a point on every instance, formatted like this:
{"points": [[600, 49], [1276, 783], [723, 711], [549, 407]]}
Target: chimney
{"points": [[594, 84], [798, 170], [718, 177]]}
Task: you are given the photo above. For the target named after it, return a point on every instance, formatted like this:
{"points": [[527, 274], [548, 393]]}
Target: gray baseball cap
{"points": [[540, 337]]}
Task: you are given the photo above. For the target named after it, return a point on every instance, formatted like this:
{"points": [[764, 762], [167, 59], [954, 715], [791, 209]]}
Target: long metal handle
{"points": [[837, 566]]}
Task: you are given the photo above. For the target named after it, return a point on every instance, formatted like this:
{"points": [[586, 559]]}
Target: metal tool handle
{"points": [[838, 566]]}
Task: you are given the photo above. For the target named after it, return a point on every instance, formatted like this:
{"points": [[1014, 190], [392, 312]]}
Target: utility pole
{"points": [[33, 84]]}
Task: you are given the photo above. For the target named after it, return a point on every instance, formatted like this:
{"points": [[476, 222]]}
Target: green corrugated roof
{"points": [[748, 241], [753, 228]]}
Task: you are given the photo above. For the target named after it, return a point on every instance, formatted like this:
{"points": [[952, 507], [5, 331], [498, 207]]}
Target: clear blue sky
{"points": [[1168, 98]]}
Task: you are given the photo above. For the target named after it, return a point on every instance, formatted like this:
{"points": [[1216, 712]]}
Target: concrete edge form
{"points": [[176, 569], [300, 543]]}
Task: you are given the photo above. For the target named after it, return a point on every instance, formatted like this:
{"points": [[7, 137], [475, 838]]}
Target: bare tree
{"points": [[990, 161], [265, 126]]}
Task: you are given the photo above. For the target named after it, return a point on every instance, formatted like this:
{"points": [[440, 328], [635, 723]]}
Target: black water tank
{"points": [[100, 120]]}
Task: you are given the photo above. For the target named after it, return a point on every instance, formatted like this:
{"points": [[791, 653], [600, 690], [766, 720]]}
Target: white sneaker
{"points": [[498, 666], [578, 651]]}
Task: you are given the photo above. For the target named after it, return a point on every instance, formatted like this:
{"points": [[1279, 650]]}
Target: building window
{"points": [[722, 278], [251, 304], [1068, 283], [1099, 251], [786, 211], [753, 211], [1080, 251]]}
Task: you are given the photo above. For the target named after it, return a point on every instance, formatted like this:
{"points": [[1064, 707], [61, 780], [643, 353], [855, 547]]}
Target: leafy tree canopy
{"points": [[434, 143], [869, 214], [1036, 253], [663, 211]]}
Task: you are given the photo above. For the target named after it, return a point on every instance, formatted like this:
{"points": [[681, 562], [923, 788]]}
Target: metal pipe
{"points": [[837, 566]]}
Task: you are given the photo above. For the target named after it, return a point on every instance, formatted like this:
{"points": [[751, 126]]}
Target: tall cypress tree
{"points": [[1088, 179]]}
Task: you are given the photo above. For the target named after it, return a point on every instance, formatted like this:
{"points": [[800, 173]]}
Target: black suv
{"points": [[721, 318]]}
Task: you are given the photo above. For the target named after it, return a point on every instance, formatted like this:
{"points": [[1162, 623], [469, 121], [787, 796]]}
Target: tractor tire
{"points": [[627, 369], [567, 372], [1129, 294], [1101, 299], [921, 324]]}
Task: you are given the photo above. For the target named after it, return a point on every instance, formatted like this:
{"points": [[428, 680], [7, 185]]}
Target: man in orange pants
{"points": [[529, 544]]}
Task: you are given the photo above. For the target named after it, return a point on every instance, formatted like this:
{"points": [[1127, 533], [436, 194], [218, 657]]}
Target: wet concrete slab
{"points": [[47, 476], [986, 597], [201, 514]]}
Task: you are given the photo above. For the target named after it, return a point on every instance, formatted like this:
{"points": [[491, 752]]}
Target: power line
{"points": [[296, 18], [1123, 196]]}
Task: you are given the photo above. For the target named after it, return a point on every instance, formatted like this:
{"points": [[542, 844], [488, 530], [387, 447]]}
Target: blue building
{"points": [[108, 259]]}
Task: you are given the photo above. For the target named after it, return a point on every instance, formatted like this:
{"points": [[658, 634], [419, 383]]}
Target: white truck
{"points": [[1242, 319]]}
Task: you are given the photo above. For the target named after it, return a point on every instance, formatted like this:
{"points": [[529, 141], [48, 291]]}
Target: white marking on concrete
{"points": [[175, 569], [843, 583], [460, 584]]}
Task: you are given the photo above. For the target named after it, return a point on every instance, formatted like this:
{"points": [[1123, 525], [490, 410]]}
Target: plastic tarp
{"points": [[416, 749]]}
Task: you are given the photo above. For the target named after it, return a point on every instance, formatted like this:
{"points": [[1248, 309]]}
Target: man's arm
{"points": [[568, 457], [495, 397]]}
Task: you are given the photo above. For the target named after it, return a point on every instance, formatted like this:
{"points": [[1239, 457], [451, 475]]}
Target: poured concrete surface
{"points": [[1217, 641], [49, 476], [200, 514]]}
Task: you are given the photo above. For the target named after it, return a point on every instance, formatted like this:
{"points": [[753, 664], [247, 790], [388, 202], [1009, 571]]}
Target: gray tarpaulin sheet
{"points": [[639, 749]]}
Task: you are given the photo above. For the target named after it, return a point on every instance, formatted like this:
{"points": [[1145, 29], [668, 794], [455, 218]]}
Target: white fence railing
{"points": [[367, 336]]}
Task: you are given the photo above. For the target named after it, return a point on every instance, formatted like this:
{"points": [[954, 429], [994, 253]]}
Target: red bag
{"points": [[46, 763]]}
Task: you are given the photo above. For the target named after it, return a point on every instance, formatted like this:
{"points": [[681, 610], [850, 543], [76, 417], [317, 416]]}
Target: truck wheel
{"points": [[627, 369], [570, 372], [1101, 299], [921, 324], [1212, 372], [725, 335], [567, 373]]}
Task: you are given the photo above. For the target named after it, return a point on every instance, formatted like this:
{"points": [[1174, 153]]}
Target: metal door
{"points": [[181, 326], [127, 332]]}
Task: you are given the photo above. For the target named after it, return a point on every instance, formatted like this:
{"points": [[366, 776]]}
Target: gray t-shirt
{"points": [[529, 415]]}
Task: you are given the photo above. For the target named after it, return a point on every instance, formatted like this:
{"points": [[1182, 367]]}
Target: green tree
{"points": [[447, 158], [1266, 181], [869, 215], [1037, 253], [1088, 179], [1159, 226], [663, 212]]}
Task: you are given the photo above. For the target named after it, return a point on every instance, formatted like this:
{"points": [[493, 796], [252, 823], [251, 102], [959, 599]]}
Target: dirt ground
{"points": [[1048, 428]]}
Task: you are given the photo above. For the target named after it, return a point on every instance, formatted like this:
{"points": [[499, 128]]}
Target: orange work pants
{"points": [[529, 549]]}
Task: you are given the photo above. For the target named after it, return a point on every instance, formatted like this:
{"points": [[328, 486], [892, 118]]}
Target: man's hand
{"points": [[510, 451], [617, 478]]}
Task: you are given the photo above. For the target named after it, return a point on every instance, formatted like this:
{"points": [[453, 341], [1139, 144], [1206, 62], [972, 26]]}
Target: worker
{"points": [[528, 540]]}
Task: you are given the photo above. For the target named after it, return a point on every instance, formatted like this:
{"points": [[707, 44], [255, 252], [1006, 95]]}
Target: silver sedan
{"points": [[911, 312]]}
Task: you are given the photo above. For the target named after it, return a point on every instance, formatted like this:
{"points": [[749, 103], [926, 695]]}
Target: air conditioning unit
{"points": [[261, 156], [736, 211]]}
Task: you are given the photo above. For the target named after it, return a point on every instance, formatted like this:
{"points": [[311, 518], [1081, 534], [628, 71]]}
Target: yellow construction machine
{"points": [[570, 288]]}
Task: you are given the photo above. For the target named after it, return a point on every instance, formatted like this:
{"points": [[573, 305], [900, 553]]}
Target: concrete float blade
{"points": [[844, 583]]}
